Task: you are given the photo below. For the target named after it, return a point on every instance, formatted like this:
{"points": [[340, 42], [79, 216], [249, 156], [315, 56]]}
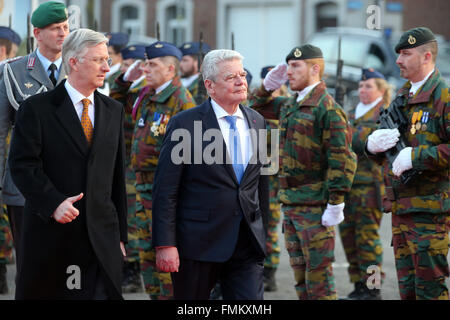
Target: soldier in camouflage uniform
{"points": [[131, 279], [152, 107], [363, 212], [421, 207], [190, 69], [317, 167], [273, 249], [9, 42]]}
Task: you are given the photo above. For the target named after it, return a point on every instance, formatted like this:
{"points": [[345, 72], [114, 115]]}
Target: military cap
{"points": [[193, 48], [162, 49], [9, 34], [136, 51], [266, 70], [119, 39], [48, 13], [248, 77], [414, 37], [306, 51], [371, 73]]}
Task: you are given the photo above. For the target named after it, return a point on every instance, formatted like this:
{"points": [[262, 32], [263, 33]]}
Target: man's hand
{"points": [[333, 215], [122, 248], [167, 259], [134, 71], [382, 139], [276, 77], [66, 212], [403, 162]]}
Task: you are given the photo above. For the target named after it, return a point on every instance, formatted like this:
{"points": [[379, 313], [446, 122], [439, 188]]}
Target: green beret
{"points": [[307, 51], [414, 37], [48, 13]]}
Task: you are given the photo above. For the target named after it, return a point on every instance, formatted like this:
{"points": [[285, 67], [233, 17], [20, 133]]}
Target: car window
{"points": [[353, 50], [375, 59]]}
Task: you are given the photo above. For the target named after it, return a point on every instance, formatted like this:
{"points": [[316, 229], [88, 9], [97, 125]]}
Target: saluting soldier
{"points": [[420, 208], [151, 108], [9, 42], [23, 77], [190, 69], [317, 166], [363, 212], [131, 272], [272, 260]]}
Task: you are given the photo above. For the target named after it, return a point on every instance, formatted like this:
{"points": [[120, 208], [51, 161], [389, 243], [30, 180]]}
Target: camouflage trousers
{"points": [[421, 246], [6, 239], [157, 284], [272, 259], [359, 232], [132, 246], [311, 252]]}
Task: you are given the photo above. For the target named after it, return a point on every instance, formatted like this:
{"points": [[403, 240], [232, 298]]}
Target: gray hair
{"points": [[210, 63], [77, 42]]}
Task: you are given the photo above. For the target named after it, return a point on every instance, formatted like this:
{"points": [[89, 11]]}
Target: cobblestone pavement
{"points": [[285, 278]]}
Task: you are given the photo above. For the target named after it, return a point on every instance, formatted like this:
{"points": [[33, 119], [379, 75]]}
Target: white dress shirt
{"points": [[46, 63], [362, 109], [186, 82], [416, 85], [242, 127], [302, 94], [162, 87], [76, 98]]}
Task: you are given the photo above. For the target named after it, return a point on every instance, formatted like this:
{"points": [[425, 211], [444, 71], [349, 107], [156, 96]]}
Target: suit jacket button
{"points": [[236, 213]]}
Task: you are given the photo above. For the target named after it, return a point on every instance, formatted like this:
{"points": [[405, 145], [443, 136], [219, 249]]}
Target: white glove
{"points": [[382, 139], [333, 214], [403, 162], [276, 77], [133, 72]]}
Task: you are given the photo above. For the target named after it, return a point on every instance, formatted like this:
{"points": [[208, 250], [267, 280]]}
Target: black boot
{"points": [[358, 292], [3, 280], [132, 281], [269, 279], [370, 294]]}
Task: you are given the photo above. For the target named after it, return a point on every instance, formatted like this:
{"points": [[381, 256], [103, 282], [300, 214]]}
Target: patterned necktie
{"points": [[86, 121], [235, 148], [52, 77]]}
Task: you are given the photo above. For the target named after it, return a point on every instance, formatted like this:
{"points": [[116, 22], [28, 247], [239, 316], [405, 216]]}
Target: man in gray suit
{"points": [[21, 78]]}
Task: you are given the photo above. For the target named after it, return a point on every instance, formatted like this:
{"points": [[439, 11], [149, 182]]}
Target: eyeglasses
{"points": [[99, 60]]}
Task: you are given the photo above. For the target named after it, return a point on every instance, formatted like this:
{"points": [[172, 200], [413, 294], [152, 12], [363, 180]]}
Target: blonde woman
{"points": [[363, 210]]}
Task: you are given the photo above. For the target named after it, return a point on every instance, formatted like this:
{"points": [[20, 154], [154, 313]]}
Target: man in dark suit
{"points": [[208, 212], [67, 159]]}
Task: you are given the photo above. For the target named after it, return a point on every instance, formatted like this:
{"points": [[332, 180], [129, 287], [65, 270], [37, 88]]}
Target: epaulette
{"points": [[10, 60]]}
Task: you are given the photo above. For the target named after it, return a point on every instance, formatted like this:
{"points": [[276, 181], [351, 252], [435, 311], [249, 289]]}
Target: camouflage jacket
{"points": [[198, 90], [429, 190], [317, 163], [367, 171], [152, 113]]}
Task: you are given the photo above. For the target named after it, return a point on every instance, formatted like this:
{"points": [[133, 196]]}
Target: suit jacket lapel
{"points": [[210, 122], [101, 123], [38, 73], [66, 114]]}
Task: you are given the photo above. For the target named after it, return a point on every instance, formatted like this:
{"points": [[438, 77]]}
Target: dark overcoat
{"points": [[50, 161]]}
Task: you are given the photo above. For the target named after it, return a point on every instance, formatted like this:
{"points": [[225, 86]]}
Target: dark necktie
{"points": [[52, 69], [236, 152]]}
